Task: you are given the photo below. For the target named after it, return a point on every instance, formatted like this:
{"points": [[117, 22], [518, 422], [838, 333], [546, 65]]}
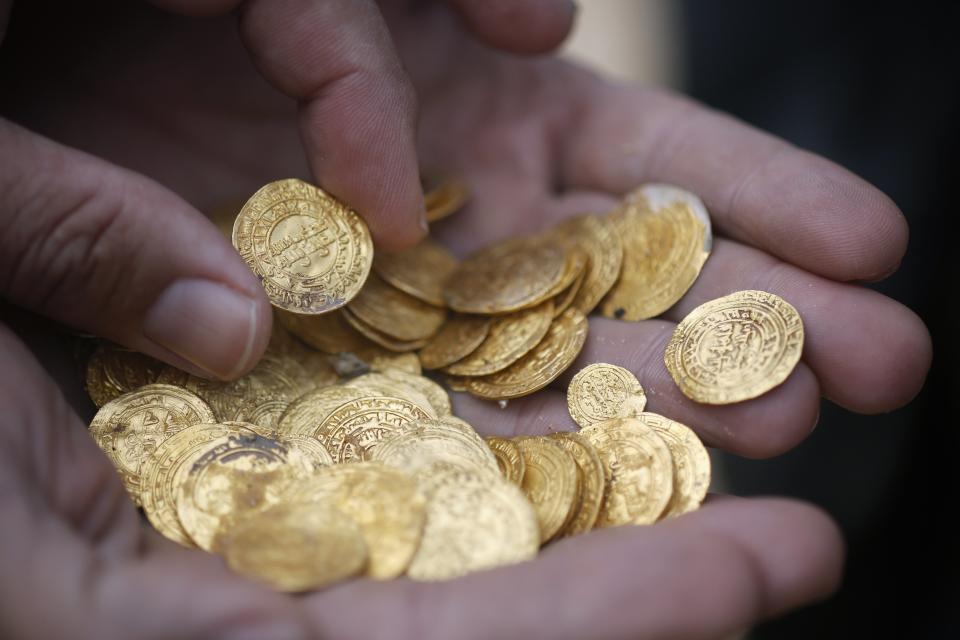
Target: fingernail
{"points": [[206, 323]]}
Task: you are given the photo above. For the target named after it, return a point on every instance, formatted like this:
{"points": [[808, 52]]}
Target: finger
{"points": [[758, 189], [357, 107], [110, 252], [525, 26], [707, 574]]}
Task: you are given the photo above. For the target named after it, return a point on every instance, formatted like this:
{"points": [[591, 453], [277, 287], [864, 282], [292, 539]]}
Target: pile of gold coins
{"points": [[336, 457]]}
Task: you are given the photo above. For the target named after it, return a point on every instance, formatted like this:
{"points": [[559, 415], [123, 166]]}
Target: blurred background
{"points": [[875, 87]]}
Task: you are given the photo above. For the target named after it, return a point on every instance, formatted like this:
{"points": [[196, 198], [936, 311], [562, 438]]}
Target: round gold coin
{"points": [[329, 332], [305, 415], [420, 444], [638, 469], [132, 426], [564, 300], [443, 196], [419, 271], [353, 429], [598, 238], [592, 482], [394, 313], [550, 481], [113, 371], [311, 253], [435, 394], [691, 463], [459, 336], [534, 371], [385, 502], [296, 547], [380, 338], [510, 338], [602, 391], [666, 239], [735, 348], [403, 386], [475, 521], [509, 459]]}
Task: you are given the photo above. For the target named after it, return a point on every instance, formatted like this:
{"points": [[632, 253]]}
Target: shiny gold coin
{"points": [[459, 336], [666, 239], [420, 444], [592, 482], [395, 313], [113, 371], [564, 300], [597, 237], [509, 459], [296, 547], [305, 415], [510, 338], [437, 396], [550, 482], [419, 271], [329, 332], [603, 391], [381, 360], [558, 349], [312, 253], [382, 384], [735, 348], [385, 502], [237, 476], [381, 339], [576, 263], [353, 429], [475, 521], [638, 469], [443, 196], [516, 274], [131, 427], [691, 463]]}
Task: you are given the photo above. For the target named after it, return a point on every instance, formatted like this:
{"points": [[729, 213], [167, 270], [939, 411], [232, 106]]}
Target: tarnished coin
{"points": [[380, 338], [666, 239], [296, 547], [592, 482], [420, 444], [385, 502], [131, 427], [602, 391], [550, 482], [113, 371], [395, 313], [459, 336], [638, 469], [558, 349], [443, 196], [597, 237], [735, 348], [515, 274], [475, 521], [510, 338], [509, 459], [329, 332], [353, 429], [419, 271], [691, 463], [310, 251]]}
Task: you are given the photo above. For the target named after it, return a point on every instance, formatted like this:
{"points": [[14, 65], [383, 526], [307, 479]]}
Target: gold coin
{"points": [[305, 415], [330, 332], [437, 396], [311, 252], [311, 448], [420, 444], [564, 299], [475, 521], [236, 476], [381, 339], [666, 239], [443, 196], [576, 262], [113, 371], [691, 463], [509, 459], [550, 482], [382, 384], [558, 349], [516, 274], [419, 271], [395, 313], [459, 336], [735, 348], [131, 427], [296, 547], [602, 391], [381, 360], [597, 237], [511, 337], [638, 469], [353, 429], [592, 482], [385, 502]]}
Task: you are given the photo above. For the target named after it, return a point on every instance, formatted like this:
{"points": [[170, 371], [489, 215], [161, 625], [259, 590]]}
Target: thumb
{"points": [[109, 252]]}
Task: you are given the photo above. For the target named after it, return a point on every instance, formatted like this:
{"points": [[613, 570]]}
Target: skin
{"points": [[356, 97]]}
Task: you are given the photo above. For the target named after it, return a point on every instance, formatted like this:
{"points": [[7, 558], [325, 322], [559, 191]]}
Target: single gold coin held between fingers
{"points": [[459, 336], [509, 459], [550, 482], [592, 482], [735, 348], [691, 463], [601, 391], [311, 252]]}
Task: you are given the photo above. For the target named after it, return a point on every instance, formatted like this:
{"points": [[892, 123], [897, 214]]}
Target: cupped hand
{"points": [[103, 248]]}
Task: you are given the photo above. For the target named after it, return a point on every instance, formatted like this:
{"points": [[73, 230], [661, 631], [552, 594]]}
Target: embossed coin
{"points": [[385, 502], [558, 349], [602, 391], [691, 463], [420, 444], [395, 313], [510, 338], [305, 415], [419, 271], [403, 386], [459, 337], [436, 395], [131, 427], [311, 252], [296, 547], [666, 239], [509, 459], [592, 482], [735, 348], [550, 482], [638, 469], [113, 371], [353, 429], [598, 238], [475, 521]]}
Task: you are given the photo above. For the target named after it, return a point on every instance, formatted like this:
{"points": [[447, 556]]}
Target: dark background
{"points": [[876, 88]]}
